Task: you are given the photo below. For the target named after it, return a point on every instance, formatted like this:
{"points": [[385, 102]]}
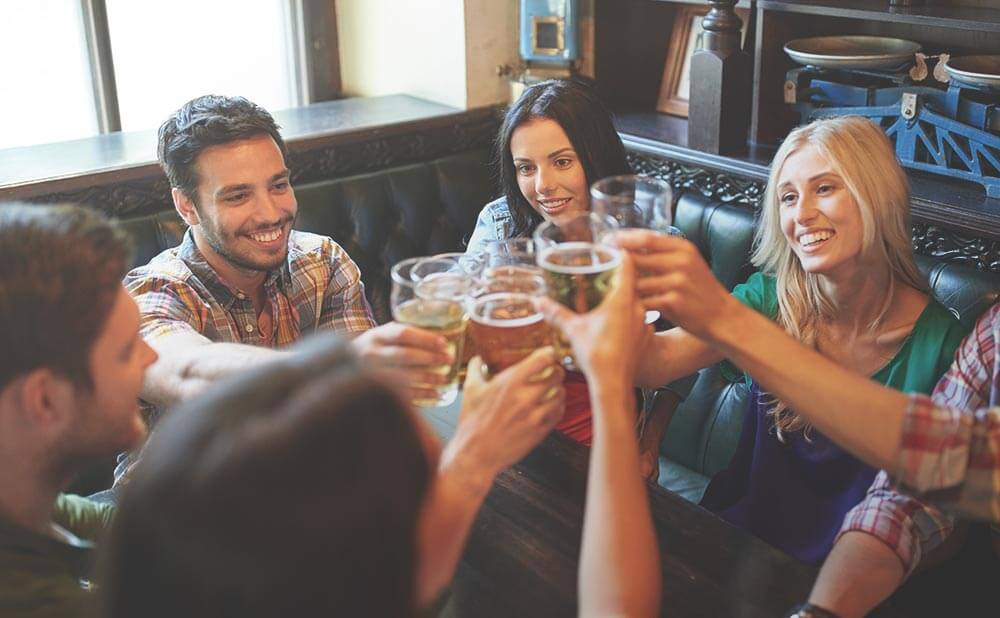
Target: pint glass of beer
{"points": [[434, 298], [469, 263], [579, 261], [512, 255], [505, 323], [634, 201]]}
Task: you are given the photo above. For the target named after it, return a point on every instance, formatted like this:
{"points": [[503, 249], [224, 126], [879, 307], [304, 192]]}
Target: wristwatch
{"points": [[808, 610]]}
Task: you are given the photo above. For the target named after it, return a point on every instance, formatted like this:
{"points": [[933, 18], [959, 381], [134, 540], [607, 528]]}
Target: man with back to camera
{"points": [[70, 374], [242, 283]]}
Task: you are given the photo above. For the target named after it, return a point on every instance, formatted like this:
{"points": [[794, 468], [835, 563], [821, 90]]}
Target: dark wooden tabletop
{"points": [[522, 555]]}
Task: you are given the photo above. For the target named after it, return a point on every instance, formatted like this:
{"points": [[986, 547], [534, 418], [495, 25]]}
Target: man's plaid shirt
{"points": [[317, 288], [950, 454]]}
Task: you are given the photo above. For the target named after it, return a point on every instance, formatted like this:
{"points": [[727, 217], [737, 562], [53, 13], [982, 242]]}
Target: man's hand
{"points": [[649, 464], [606, 340], [676, 281], [504, 418], [410, 356]]}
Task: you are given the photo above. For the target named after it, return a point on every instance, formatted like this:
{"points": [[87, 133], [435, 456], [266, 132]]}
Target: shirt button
{"points": [[241, 296], [249, 328]]}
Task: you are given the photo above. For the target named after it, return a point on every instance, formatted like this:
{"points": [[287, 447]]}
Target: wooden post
{"points": [[720, 84]]}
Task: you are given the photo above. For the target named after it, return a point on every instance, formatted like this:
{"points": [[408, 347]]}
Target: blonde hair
{"points": [[859, 152]]}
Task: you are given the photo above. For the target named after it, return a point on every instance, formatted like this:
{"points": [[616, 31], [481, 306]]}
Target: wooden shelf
{"points": [[742, 4], [962, 18]]}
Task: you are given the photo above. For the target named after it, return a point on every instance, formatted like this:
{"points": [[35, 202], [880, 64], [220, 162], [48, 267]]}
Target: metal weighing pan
{"points": [[975, 70], [853, 52]]}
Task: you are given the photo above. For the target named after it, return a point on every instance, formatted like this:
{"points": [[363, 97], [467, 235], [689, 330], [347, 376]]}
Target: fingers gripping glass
{"points": [[579, 261], [430, 293]]}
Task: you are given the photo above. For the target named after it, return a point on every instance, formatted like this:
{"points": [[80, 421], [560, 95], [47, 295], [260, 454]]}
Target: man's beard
{"points": [[217, 240]]}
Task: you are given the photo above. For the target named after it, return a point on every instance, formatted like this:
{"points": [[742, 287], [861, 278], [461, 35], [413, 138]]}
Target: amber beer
{"points": [[506, 327]]}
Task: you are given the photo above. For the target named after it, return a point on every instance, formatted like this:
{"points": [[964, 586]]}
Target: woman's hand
{"points": [[504, 418], [676, 281], [607, 340]]}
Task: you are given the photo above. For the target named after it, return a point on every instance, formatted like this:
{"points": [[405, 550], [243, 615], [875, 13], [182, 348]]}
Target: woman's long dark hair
{"points": [[576, 106], [293, 491]]}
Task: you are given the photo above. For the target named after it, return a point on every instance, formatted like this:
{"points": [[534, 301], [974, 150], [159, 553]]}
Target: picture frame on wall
{"points": [[685, 39]]}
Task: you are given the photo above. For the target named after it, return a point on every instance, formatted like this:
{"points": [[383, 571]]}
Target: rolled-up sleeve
{"points": [[951, 457], [908, 526]]}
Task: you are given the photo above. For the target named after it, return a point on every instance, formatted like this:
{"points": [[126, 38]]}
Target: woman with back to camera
{"points": [[838, 274], [556, 140], [307, 487]]}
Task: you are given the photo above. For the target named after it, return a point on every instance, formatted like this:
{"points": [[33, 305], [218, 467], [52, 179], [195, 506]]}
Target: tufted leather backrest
{"points": [[706, 427], [378, 218]]}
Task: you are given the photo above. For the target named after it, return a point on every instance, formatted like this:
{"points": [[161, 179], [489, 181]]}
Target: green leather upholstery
{"points": [[706, 427]]}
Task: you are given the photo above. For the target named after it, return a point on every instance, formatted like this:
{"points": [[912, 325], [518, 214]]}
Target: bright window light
{"points": [[47, 93], [167, 52]]}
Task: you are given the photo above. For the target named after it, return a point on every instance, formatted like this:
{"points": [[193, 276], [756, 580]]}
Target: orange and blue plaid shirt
{"points": [[317, 288], [949, 454]]}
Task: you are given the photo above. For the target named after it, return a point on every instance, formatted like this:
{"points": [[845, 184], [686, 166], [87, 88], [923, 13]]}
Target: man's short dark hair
{"points": [[60, 272], [208, 120]]}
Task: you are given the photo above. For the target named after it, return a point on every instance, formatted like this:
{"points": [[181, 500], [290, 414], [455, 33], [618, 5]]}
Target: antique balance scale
{"points": [[951, 129]]}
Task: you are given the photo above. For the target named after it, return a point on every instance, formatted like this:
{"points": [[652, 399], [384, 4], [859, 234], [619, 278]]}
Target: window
{"points": [[167, 52], [47, 92], [76, 68]]}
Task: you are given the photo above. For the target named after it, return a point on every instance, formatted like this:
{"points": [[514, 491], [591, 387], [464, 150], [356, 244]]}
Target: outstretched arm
{"points": [[619, 558]]}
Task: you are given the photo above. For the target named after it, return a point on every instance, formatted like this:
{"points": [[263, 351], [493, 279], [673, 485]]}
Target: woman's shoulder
{"points": [[495, 210], [759, 292]]}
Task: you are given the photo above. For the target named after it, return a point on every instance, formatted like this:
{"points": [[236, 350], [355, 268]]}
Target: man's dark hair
{"points": [[60, 271], [578, 108], [291, 490], [208, 120]]}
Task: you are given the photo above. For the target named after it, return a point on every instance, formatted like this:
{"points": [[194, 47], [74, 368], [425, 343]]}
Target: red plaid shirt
{"points": [[317, 288], [949, 455]]}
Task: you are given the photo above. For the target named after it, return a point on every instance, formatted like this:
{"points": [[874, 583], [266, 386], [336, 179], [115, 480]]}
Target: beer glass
{"points": [[472, 264], [579, 261], [634, 201], [510, 256], [639, 202], [431, 294], [506, 324]]}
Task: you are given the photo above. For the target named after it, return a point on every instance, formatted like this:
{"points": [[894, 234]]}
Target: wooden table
{"points": [[523, 552]]}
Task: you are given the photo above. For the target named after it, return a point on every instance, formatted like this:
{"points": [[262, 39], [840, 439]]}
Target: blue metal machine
{"points": [[952, 132]]}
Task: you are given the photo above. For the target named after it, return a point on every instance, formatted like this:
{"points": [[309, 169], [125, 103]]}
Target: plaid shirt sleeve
{"points": [[909, 527], [345, 307], [950, 448], [951, 456], [166, 307], [907, 524]]}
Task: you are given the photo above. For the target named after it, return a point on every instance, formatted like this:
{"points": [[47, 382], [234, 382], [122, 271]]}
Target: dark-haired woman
{"points": [[555, 141]]}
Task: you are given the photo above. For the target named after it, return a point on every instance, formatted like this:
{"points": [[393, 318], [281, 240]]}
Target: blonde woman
{"points": [[837, 273]]}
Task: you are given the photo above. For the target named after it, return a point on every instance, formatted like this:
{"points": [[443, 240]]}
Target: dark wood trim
{"points": [[314, 155], [935, 15], [119, 158]]}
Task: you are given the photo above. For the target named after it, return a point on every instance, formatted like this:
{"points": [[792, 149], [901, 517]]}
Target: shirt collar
{"points": [[222, 293]]}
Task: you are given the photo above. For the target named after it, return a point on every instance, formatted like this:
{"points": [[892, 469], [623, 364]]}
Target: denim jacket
{"points": [[494, 223]]}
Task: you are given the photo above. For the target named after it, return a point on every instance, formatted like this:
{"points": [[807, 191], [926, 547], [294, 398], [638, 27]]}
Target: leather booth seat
{"points": [[705, 428], [378, 218]]}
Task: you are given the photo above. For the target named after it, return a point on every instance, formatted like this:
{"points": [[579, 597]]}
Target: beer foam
{"points": [[577, 248]]}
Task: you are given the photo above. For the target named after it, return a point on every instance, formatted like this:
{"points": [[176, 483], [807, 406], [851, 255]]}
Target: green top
{"points": [[47, 576], [919, 363]]}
